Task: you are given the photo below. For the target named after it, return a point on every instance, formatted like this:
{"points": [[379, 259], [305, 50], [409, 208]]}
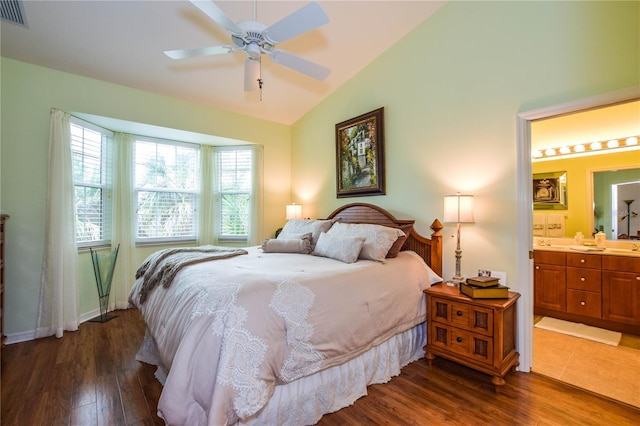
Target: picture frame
{"points": [[360, 155], [550, 191]]}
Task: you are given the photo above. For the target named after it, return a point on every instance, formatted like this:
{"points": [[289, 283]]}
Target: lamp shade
{"points": [[294, 211], [458, 208]]}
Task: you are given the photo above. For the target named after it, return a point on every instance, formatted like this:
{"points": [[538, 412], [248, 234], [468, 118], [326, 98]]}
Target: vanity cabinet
{"points": [[596, 289], [584, 284], [621, 290], [550, 280]]}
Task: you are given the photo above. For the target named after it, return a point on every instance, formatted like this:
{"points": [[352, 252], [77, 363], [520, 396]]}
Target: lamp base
{"points": [[455, 281]]}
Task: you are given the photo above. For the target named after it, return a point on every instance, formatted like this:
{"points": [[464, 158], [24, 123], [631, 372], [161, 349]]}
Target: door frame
{"points": [[525, 207]]}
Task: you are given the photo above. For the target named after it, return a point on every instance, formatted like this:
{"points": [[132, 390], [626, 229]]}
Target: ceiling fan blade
{"points": [[299, 64], [251, 74], [304, 19], [198, 51], [210, 9]]}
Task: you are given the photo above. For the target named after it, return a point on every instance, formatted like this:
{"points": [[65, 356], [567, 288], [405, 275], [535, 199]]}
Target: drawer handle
{"points": [[583, 303], [458, 339], [459, 313]]}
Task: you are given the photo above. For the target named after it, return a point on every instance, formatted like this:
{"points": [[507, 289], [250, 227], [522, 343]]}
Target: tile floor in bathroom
{"points": [[612, 371]]}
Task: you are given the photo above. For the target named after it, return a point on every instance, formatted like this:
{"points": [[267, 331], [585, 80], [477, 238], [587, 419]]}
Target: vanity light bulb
{"points": [[632, 141], [578, 148], [537, 154], [596, 145], [565, 150], [613, 143], [550, 151]]}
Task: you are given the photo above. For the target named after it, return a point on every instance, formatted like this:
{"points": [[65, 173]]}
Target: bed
{"points": [[262, 336]]}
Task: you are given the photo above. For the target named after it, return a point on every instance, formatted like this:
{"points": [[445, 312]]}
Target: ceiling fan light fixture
{"points": [[253, 51]]}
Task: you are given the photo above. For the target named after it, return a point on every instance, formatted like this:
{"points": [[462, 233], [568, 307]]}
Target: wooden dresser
{"points": [[3, 219], [478, 333]]}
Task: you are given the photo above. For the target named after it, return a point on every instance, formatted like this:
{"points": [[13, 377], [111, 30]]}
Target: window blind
{"points": [[91, 165], [234, 188], [166, 190]]}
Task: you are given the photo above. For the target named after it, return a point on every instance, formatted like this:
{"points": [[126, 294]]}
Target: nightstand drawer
{"points": [[585, 303], [463, 315], [469, 345]]}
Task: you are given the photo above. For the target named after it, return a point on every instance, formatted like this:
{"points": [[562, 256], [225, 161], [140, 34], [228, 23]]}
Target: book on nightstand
{"points": [[493, 292], [483, 281]]}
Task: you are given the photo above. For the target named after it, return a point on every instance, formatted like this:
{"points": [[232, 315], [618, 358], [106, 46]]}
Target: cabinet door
{"points": [[621, 297], [550, 287]]}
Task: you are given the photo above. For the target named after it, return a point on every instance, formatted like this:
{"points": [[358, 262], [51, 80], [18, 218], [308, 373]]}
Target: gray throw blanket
{"points": [[162, 266]]}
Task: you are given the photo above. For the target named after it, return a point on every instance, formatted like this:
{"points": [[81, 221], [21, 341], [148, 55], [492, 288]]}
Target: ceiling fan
{"points": [[255, 38]]}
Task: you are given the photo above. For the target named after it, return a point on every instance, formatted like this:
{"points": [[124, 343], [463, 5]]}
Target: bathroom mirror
{"points": [[597, 182], [616, 203]]}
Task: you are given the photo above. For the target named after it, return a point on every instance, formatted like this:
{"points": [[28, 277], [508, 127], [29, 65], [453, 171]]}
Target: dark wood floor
{"points": [[90, 377]]}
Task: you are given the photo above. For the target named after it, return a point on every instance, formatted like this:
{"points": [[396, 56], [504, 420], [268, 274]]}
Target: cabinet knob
{"points": [[583, 303], [637, 278], [581, 260], [582, 279], [458, 339], [459, 313], [537, 267]]}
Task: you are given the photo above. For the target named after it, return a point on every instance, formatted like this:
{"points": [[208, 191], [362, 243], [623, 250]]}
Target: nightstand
{"points": [[477, 333]]}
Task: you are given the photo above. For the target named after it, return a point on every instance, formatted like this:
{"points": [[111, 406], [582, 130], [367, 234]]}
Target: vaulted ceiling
{"points": [[123, 42]]}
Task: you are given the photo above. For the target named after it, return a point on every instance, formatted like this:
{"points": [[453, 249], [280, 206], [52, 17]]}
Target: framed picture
{"points": [[360, 155], [550, 191]]}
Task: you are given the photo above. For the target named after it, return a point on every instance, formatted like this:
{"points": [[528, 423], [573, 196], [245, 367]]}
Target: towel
{"points": [[539, 225], [555, 225]]}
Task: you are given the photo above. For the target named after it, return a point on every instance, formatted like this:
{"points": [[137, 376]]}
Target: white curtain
{"points": [[58, 305], [122, 217], [207, 213], [257, 186]]}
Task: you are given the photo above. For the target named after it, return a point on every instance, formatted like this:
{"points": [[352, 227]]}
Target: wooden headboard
{"points": [[430, 249]]}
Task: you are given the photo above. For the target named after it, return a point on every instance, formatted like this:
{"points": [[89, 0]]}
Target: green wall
{"points": [[28, 94], [452, 89]]}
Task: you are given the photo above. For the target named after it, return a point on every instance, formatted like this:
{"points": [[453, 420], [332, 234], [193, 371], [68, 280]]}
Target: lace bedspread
{"points": [[227, 332]]}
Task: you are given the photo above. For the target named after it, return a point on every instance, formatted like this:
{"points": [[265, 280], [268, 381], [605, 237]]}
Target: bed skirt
{"points": [[306, 400]]}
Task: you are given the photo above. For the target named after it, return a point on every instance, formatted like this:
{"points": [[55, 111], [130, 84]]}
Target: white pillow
{"points": [[378, 238], [295, 227], [345, 249], [297, 245]]}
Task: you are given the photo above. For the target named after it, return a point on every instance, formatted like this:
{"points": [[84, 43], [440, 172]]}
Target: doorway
{"points": [[524, 122]]}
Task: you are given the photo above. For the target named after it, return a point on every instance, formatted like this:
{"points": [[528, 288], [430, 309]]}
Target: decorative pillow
{"points": [[280, 245], [345, 249], [295, 227], [397, 246], [378, 238]]}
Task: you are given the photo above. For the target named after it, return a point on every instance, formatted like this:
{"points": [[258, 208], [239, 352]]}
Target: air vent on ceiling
{"points": [[13, 11]]}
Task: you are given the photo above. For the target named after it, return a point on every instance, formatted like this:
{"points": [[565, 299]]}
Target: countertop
{"points": [[610, 251]]}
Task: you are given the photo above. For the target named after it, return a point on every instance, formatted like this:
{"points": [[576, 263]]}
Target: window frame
{"points": [[219, 194], [135, 190], [106, 157]]}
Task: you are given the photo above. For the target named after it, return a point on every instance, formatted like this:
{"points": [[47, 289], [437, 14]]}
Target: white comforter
{"points": [[228, 331]]}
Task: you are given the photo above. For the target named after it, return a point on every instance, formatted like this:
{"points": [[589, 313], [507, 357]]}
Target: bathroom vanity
{"points": [[601, 288]]}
